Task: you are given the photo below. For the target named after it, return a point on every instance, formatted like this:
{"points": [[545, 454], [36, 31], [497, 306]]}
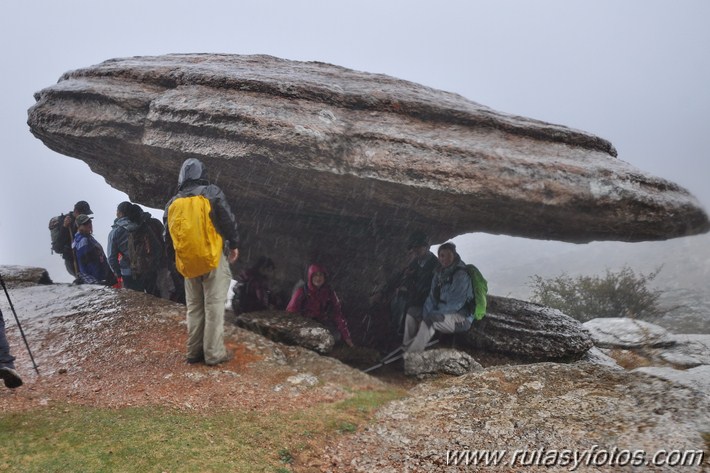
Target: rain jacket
{"points": [[118, 243], [320, 304], [414, 280], [90, 258], [450, 292], [192, 181]]}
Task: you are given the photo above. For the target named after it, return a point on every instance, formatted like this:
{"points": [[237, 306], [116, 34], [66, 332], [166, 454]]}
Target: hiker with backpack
{"points": [[118, 246], [200, 231], [252, 292], [447, 307], [410, 286], [90, 257], [317, 300], [146, 249], [62, 229]]}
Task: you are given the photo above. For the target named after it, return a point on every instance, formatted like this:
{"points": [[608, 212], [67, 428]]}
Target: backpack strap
{"points": [[470, 304]]}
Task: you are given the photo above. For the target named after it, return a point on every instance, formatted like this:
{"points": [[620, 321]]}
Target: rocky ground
{"points": [[114, 348], [103, 347]]}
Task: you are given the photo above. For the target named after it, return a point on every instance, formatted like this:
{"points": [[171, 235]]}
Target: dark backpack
{"points": [[145, 247], [61, 239]]}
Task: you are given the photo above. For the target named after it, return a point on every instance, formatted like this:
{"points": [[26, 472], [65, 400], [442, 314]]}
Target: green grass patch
{"points": [[68, 438]]}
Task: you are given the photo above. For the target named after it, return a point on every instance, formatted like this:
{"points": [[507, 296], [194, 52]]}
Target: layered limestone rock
{"points": [[327, 164], [290, 329], [528, 330]]}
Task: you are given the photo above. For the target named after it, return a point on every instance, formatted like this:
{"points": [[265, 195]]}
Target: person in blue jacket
{"points": [[446, 309], [90, 256]]}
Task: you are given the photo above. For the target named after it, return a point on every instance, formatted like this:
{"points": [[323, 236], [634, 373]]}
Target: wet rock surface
{"points": [[537, 408], [290, 329], [439, 361], [646, 348], [527, 329], [597, 357], [622, 332], [103, 347], [689, 350], [697, 378], [22, 276], [327, 164]]}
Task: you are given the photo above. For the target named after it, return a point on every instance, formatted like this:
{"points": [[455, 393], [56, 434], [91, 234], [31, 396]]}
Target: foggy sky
{"points": [[636, 73]]}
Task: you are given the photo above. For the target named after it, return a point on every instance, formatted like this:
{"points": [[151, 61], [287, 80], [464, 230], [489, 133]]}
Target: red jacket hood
{"points": [[313, 269]]}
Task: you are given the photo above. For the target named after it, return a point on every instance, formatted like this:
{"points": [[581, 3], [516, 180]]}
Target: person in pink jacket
{"points": [[318, 301]]}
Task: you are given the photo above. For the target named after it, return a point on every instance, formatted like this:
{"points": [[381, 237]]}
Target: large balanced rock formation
{"points": [[325, 163]]}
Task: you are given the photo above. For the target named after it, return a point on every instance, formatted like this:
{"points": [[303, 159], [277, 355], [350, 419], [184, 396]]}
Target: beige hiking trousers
{"points": [[205, 297]]}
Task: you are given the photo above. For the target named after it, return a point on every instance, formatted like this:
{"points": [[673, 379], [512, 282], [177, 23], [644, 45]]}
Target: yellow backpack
{"points": [[198, 245]]}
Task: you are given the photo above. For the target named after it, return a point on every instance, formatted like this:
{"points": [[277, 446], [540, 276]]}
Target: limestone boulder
{"points": [[288, 328], [320, 144], [624, 332], [22, 276], [697, 378], [598, 357], [439, 361], [528, 330], [689, 351]]}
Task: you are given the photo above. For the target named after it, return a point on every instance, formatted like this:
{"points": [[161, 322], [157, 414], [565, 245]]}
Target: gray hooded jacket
{"points": [[193, 181]]}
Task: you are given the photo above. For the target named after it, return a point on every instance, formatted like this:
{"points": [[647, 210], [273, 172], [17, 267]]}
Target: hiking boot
{"points": [[228, 356], [191, 360], [11, 377]]}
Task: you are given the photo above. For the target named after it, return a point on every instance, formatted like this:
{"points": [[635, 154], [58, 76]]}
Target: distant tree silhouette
{"points": [[617, 294]]}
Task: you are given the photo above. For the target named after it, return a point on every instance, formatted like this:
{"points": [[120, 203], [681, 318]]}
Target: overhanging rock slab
{"points": [[323, 163]]}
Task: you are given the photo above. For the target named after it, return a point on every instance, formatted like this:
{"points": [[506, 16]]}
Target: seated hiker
{"points": [[90, 256], [7, 361], [118, 245], [318, 301], [62, 229], [410, 286], [252, 292], [446, 308]]}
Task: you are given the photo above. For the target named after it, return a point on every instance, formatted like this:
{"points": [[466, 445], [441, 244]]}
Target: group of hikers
{"points": [[136, 252], [198, 240], [431, 294]]}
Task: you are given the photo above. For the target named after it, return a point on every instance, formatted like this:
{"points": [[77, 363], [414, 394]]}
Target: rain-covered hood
{"points": [[313, 269], [192, 170]]}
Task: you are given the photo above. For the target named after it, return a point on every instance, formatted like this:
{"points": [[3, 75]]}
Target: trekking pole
{"points": [[394, 356], [2, 281]]}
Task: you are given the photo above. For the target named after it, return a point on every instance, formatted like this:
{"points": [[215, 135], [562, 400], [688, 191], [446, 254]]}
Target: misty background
{"points": [[634, 72]]}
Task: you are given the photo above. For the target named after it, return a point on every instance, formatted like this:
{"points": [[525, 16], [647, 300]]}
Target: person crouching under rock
{"points": [[318, 301], [446, 308]]}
